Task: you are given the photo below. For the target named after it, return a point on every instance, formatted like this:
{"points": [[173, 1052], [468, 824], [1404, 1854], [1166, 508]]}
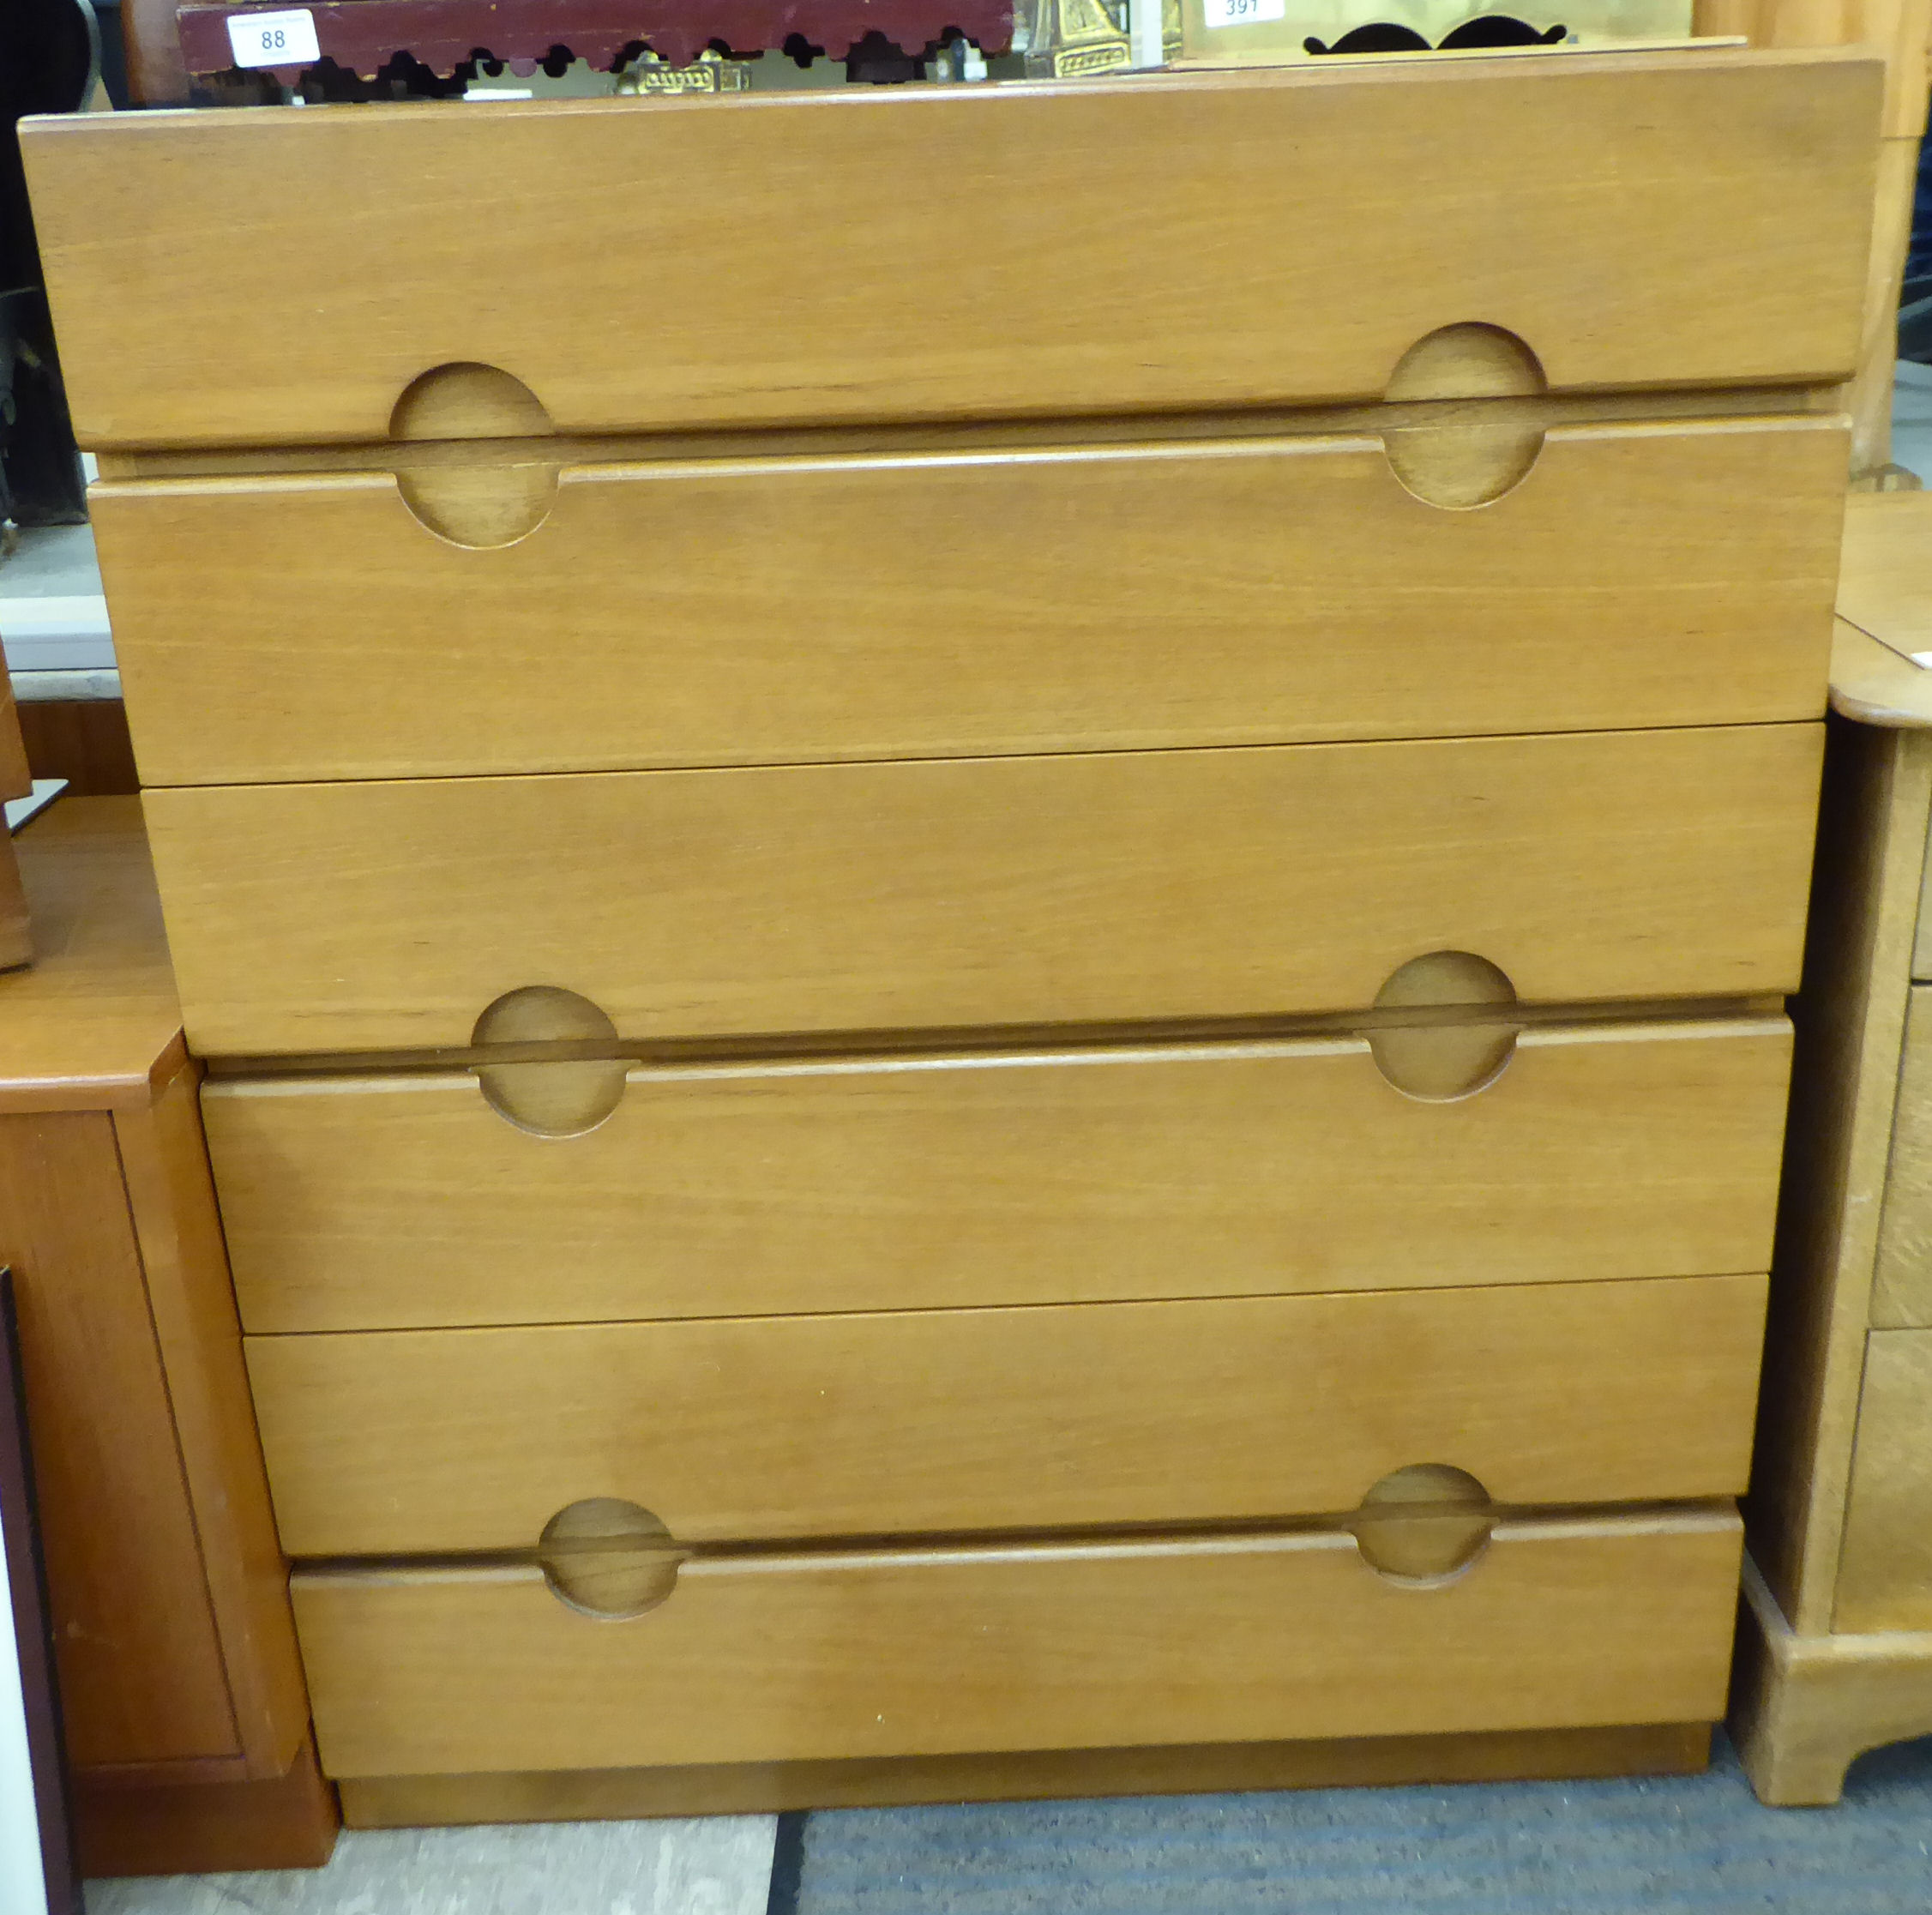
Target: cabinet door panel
{"points": [[140, 1670]]}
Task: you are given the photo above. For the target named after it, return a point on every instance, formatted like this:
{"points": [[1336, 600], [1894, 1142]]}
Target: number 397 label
{"points": [[288, 40], [1220, 13]]}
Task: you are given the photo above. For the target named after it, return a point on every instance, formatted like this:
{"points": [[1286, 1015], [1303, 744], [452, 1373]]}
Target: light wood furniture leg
{"points": [[1838, 1504], [1804, 1706]]}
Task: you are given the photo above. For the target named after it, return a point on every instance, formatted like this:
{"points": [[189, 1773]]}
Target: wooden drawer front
{"points": [[1214, 593], [1015, 891], [1884, 1572], [1669, 222], [922, 1653], [741, 1428], [400, 1201], [1902, 1282]]}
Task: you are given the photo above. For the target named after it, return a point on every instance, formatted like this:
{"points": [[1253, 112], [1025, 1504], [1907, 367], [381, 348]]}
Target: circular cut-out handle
{"points": [[543, 1013], [480, 507], [1444, 1053], [1470, 360], [469, 401], [472, 497], [553, 1096], [608, 1559], [1423, 1523], [562, 1097], [1471, 458]]}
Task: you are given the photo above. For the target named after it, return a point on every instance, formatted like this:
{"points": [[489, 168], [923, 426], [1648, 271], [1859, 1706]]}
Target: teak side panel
{"points": [[897, 1183], [16, 925], [1221, 1410], [16, 776], [1902, 1279], [1851, 1019], [192, 1303], [140, 1668], [1884, 1572], [1670, 220], [792, 611], [957, 893], [1922, 942], [804, 1656]]}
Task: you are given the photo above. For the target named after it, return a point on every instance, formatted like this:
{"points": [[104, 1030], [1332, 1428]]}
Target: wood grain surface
{"points": [[733, 1430], [764, 1788], [95, 1021], [1805, 1705], [1885, 1573], [1875, 685], [83, 740], [1921, 943], [1884, 588], [141, 1678], [1885, 616], [1897, 30], [1141, 885], [1902, 1279], [16, 922], [1894, 28], [788, 610], [191, 1305], [1672, 222], [1594, 1621], [280, 1822], [1037, 1177], [16, 779], [1851, 1016]]}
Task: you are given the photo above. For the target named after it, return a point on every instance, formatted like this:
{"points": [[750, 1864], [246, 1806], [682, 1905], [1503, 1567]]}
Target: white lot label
{"points": [[288, 40], [1244, 13]]}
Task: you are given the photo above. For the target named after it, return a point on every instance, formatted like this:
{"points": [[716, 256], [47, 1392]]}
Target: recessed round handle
{"points": [[562, 1096], [543, 1013], [1469, 457], [1423, 1523], [609, 1558], [474, 497], [1453, 1044], [467, 400]]}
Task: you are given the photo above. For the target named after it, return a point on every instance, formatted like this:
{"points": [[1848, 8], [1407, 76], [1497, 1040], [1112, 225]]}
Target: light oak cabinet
{"points": [[997, 1009], [1837, 1643]]}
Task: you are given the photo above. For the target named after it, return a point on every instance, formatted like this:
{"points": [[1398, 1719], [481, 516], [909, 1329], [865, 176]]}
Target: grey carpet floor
{"points": [[1685, 1846]]}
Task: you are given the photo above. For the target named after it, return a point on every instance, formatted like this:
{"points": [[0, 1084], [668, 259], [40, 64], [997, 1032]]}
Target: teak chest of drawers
{"points": [[995, 1001]]}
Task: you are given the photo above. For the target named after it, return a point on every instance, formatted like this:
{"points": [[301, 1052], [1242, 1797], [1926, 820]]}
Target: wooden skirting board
{"points": [[277, 1822], [572, 1794]]}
